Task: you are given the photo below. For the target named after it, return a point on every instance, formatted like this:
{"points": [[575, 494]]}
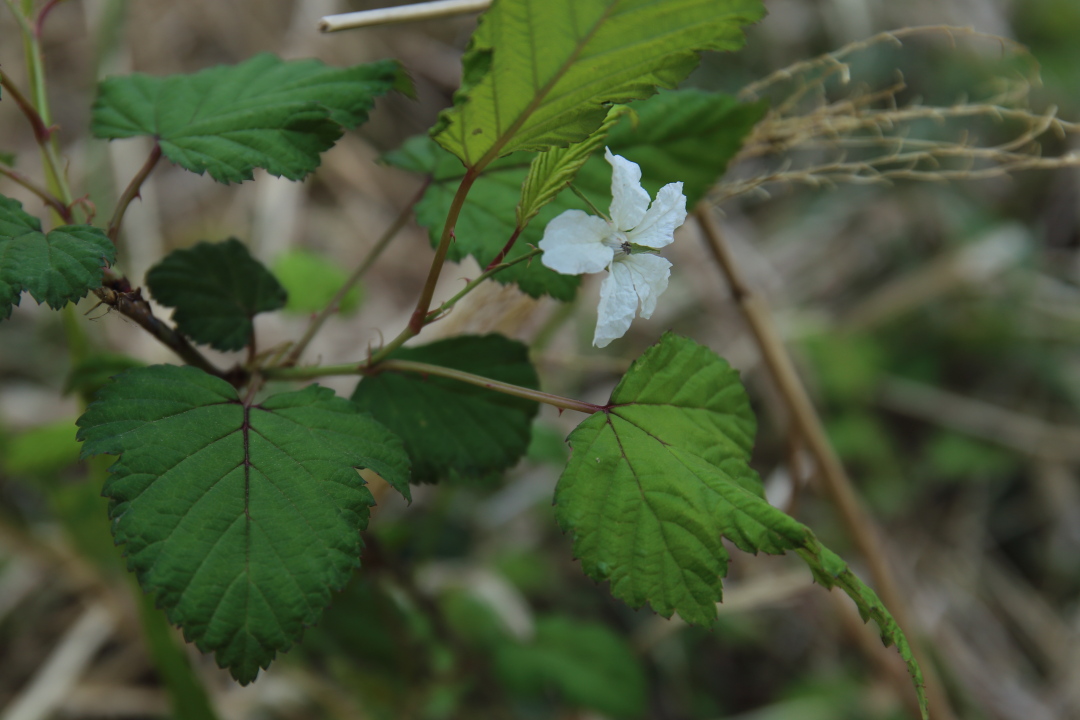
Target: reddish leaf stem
{"points": [[131, 192], [42, 133], [47, 197], [40, 24], [506, 248]]}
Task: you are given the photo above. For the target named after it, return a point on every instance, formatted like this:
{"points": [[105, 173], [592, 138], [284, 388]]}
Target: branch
{"points": [[831, 471], [117, 293]]}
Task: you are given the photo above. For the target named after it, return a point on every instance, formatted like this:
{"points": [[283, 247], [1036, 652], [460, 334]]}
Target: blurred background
{"points": [[933, 311]]}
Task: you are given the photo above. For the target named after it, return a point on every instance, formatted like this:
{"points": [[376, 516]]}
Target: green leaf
{"points": [[216, 288], [451, 428], [241, 519], [685, 135], [657, 480], [489, 216], [55, 268], [7, 158], [552, 170], [542, 73], [311, 282], [586, 663], [228, 120]]}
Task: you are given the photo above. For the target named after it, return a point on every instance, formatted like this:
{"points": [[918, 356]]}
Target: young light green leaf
{"points": [[263, 113], [55, 268], [311, 282], [657, 480], [541, 73], [216, 288], [451, 428], [552, 170], [241, 518], [488, 218], [586, 663], [685, 135]]}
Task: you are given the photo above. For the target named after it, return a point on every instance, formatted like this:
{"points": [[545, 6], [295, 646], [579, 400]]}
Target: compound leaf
{"points": [[216, 288], [657, 480], [241, 519], [450, 427], [542, 73], [489, 217], [263, 113], [56, 267]]}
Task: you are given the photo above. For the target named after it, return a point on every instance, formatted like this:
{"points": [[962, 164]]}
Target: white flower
{"points": [[576, 243]]}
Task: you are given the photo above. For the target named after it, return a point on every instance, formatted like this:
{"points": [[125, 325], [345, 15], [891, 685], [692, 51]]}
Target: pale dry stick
{"points": [[62, 670], [401, 13], [830, 470], [833, 62]]}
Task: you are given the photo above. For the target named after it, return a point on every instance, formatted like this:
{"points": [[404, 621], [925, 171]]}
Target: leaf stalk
{"points": [[131, 192]]}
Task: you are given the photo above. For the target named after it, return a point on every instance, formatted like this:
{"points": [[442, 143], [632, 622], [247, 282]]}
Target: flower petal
{"points": [[649, 274], [618, 304], [573, 243], [629, 201], [668, 212]]}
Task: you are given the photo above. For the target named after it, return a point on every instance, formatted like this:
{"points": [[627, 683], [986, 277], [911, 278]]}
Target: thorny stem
{"points": [[117, 293], [131, 192], [48, 198], [335, 302], [809, 426], [419, 316], [409, 366]]}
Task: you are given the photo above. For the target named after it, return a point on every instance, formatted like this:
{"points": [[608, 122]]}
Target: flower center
{"points": [[617, 241]]}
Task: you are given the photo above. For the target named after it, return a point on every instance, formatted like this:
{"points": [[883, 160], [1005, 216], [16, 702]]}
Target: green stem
{"points": [[335, 302], [409, 366], [492, 270], [419, 316], [131, 192]]}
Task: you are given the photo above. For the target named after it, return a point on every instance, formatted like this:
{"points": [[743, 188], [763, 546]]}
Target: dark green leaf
{"points": [[216, 288], [586, 663], [542, 73], [312, 281], [656, 481], [488, 217], [240, 519], [55, 268], [228, 120], [451, 427], [686, 135]]}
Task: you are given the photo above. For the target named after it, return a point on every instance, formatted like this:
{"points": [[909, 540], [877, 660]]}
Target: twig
{"points": [[401, 13], [131, 192], [37, 123], [830, 469], [117, 293], [335, 302]]}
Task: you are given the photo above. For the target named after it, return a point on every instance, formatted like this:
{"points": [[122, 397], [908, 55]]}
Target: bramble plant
{"points": [[240, 509]]}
